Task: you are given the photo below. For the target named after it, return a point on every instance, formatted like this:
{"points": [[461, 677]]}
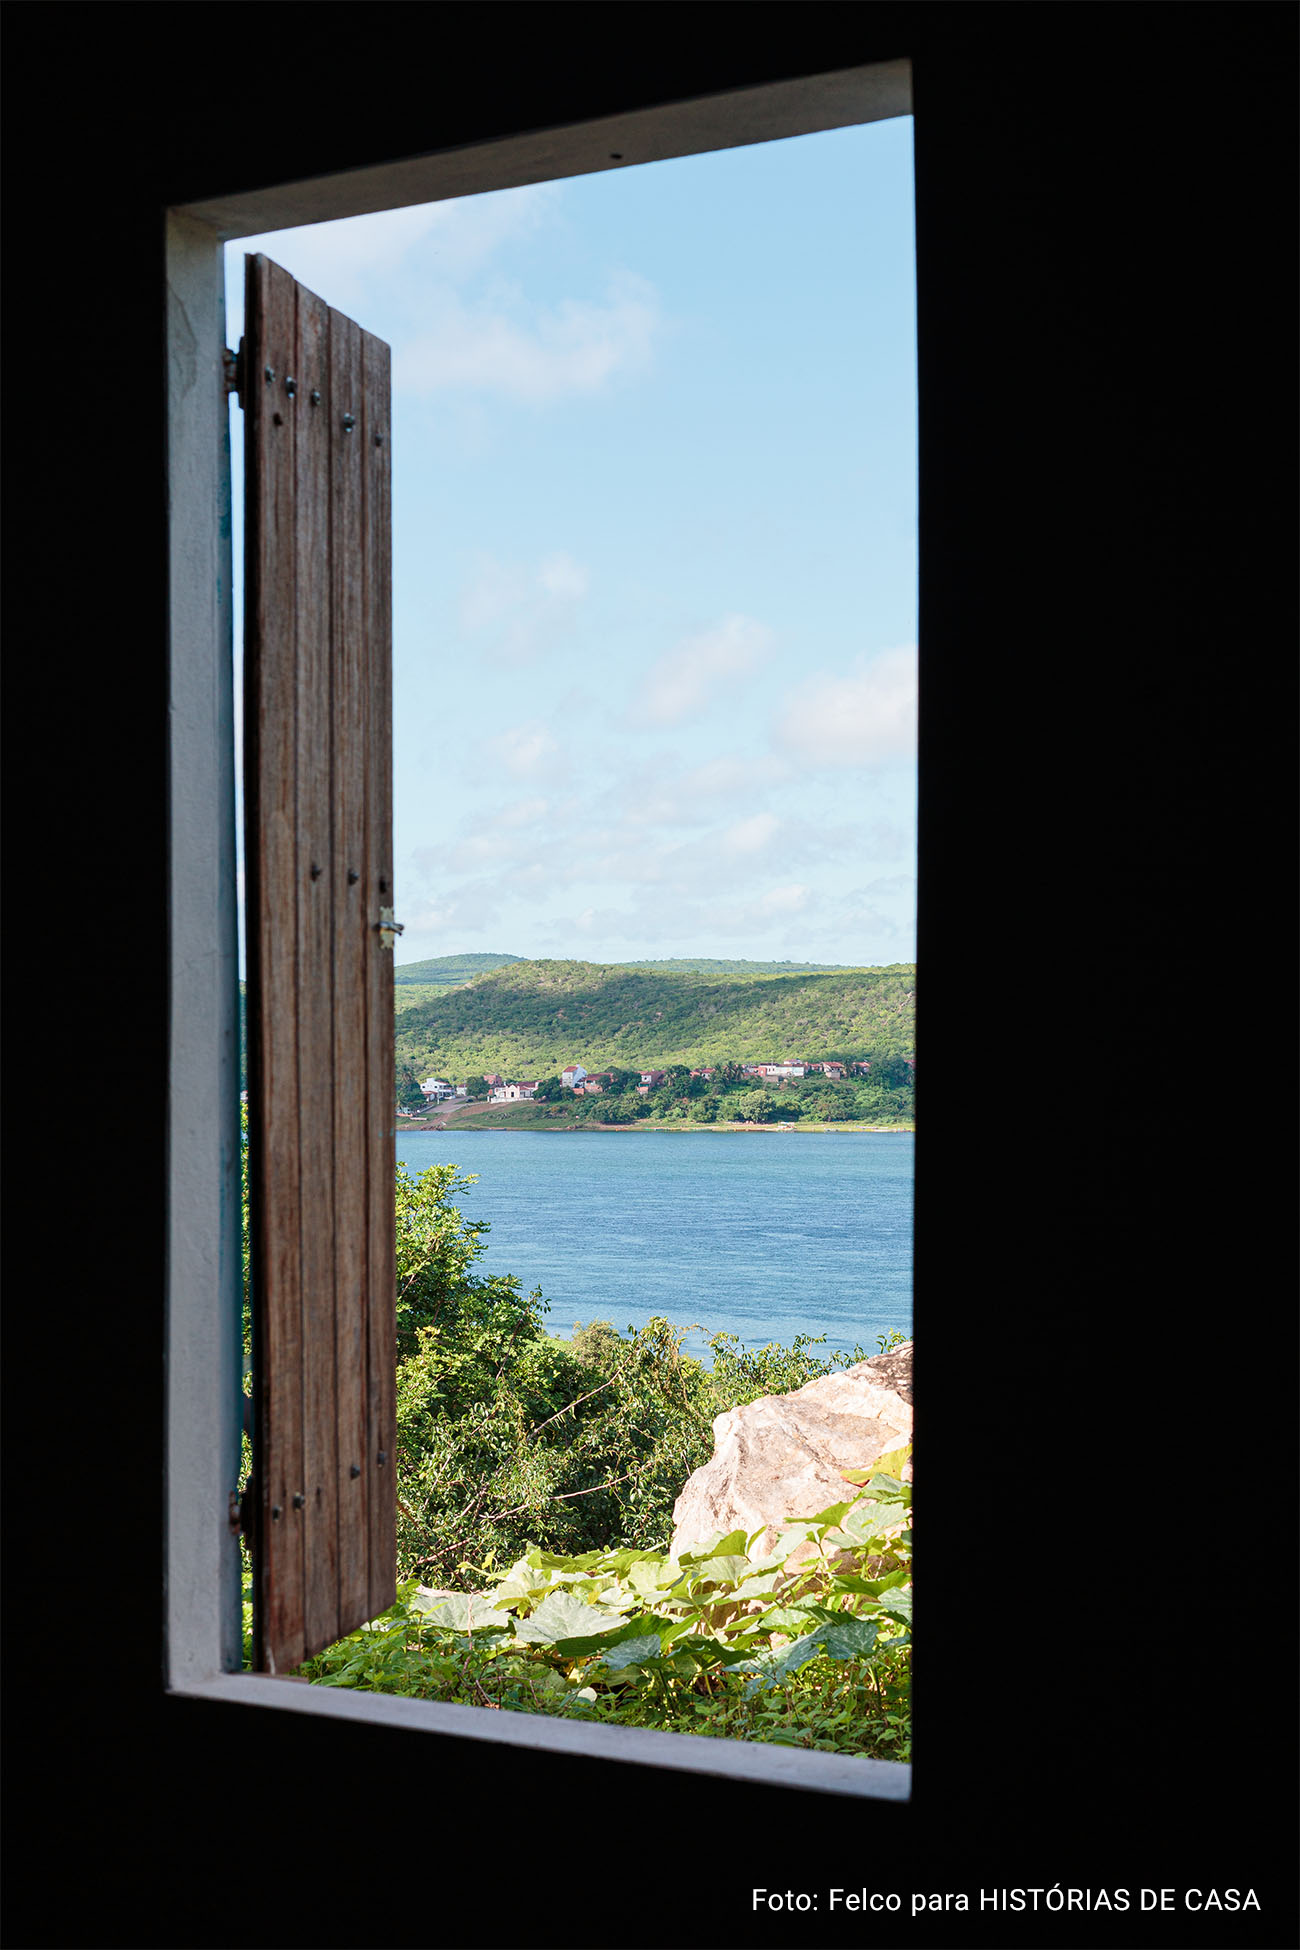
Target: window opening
{"points": [[654, 670]]}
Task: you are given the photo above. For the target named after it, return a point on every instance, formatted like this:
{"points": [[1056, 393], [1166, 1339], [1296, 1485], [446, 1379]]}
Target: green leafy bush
{"points": [[812, 1650]]}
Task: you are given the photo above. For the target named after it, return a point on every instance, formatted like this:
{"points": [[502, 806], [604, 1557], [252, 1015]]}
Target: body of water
{"points": [[763, 1235]]}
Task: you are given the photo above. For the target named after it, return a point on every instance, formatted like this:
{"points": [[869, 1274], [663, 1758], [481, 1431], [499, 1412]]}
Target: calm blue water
{"points": [[762, 1235]]}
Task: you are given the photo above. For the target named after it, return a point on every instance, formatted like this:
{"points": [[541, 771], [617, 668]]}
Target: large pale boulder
{"points": [[783, 1456]]}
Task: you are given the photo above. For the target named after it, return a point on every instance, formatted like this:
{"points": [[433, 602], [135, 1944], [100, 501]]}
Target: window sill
{"points": [[768, 1766]]}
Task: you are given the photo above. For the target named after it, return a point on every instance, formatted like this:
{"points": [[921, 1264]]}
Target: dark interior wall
{"points": [[1105, 247]]}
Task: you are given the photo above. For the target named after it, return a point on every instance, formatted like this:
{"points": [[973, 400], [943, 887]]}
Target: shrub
{"points": [[721, 1641]]}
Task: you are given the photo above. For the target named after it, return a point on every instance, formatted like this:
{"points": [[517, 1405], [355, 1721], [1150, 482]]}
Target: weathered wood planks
{"points": [[318, 797]]}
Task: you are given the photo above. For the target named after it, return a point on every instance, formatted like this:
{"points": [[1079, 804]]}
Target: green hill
{"points": [[532, 1017], [448, 971], [702, 965]]}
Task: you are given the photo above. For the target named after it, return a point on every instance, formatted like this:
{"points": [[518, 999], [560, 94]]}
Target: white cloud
{"points": [[525, 750], [783, 900], [563, 578], [861, 719], [656, 793], [728, 776], [685, 681], [881, 915], [543, 353], [346, 261], [750, 835], [520, 610], [522, 812]]}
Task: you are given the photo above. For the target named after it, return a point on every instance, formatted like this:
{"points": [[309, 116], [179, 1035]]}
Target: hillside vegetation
{"points": [[533, 1017], [705, 965], [448, 971]]}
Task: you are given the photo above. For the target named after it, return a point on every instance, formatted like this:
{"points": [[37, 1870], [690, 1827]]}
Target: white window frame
{"points": [[202, 1636]]}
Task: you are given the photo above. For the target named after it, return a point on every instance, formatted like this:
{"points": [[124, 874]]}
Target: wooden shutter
{"points": [[318, 855]]}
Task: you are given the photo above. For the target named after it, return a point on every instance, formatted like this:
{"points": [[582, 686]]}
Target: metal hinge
{"points": [[242, 1515], [232, 364]]}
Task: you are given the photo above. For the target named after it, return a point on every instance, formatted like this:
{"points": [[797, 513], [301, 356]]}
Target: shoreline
{"points": [[677, 1128]]}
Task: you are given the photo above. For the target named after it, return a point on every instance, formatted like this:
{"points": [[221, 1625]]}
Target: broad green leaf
{"points": [[561, 1616], [867, 1520], [732, 1545], [785, 1619], [738, 1653], [576, 1566], [654, 1575], [673, 1630], [848, 1638], [726, 1544], [792, 1534], [833, 1514], [713, 1570], [870, 1587], [755, 1587], [770, 1668], [897, 1604], [632, 1652], [513, 1592], [888, 1489], [462, 1611], [620, 1564]]}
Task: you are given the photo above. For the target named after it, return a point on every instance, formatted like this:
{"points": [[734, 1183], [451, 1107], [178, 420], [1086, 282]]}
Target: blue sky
{"points": [[654, 500]]}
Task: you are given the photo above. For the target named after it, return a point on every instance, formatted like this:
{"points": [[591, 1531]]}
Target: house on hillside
{"points": [[833, 1070], [593, 1083], [511, 1093], [572, 1075], [492, 1080], [705, 1073], [649, 1078], [776, 1072], [435, 1089]]}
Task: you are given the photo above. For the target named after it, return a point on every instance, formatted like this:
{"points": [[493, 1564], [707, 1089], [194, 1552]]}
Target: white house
{"points": [[572, 1074], [436, 1089], [511, 1093]]}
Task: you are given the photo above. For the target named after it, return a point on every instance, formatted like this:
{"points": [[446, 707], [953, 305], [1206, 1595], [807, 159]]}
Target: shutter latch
{"points": [[389, 929], [232, 365]]}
